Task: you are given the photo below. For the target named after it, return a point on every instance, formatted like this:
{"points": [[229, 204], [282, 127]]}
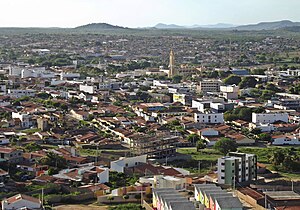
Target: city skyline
{"points": [[138, 13]]}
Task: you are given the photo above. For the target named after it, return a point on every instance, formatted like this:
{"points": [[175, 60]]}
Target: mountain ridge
{"points": [[98, 26]]}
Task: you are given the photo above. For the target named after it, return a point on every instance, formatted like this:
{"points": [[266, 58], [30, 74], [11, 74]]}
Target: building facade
{"points": [[237, 167]]}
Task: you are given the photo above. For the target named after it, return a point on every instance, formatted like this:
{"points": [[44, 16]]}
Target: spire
{"points": [[171, 64]]}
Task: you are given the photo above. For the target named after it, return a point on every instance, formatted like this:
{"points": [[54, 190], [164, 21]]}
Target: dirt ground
{"points": [[80, 207]]}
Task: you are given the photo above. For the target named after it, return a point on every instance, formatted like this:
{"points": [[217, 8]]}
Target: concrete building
{"points": [[230, 91], [209, 118], [120, 165], [293, 72], [87, 88], [13, 93], [237, 167], [263, 118], [69, 76], [206, 86], [25, 119], [285, 140], [10, 155]]}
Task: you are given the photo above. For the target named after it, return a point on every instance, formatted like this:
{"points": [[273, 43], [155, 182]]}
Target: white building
{"points": [[88, 88], [69, 76], [3, 140], [203, 104], [285, 140], [24, 118], [161, 181], [209, 118], [230, 91], [21, 201], [120, 165], [269, 117], [295, 73], [14, 93], [77, 174]]}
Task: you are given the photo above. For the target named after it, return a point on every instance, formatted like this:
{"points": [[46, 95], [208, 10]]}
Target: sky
{"points": [[143, 13]]}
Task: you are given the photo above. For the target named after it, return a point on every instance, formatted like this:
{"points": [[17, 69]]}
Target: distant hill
{"points": [[167, 26], [215, 26], [292, 29], [268, 25], [174, 26], [98, 26]]}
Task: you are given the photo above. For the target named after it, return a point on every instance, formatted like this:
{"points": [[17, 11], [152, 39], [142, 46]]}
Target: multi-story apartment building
{"points": [[269, 117], [209, 86], [209, 118], [20, 93], [237, 167]]}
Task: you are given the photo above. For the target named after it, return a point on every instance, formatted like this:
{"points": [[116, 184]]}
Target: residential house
{"points": [[85, 174], [79, 114], [285, 139], [10, 155], [21, 201], [126, 162], [4, 176]]}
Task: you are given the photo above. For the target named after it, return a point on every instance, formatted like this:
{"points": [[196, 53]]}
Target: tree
{"points": [[200, 145], [264, 137], [225, 145], [248, 82], [256, 131], [32, 147], [177, 79], [193, 138], [258, 71], [128, 206], [54, 160], [232, 80]]}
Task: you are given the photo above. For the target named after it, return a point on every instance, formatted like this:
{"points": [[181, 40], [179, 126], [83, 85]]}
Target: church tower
{"points": [[172, 70]]}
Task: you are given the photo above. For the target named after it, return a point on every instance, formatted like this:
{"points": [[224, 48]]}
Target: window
{"points": [[222, 177]]}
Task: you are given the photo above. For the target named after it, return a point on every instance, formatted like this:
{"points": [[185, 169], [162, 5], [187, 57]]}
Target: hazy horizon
{"points": [[140, 13]]}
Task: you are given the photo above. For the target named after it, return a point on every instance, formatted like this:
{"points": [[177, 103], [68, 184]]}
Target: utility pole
{"points": [[96, 158], [292, 185], [42, 201], [166, 160], [233, 183], [266, 202], [199, 166]]}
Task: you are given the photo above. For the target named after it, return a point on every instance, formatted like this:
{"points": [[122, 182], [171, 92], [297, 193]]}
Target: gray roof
{"points": [[213, 190], [201, 187], [220, 195], [182, 206], [229, 202], [282, 195], [164, 191]]}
